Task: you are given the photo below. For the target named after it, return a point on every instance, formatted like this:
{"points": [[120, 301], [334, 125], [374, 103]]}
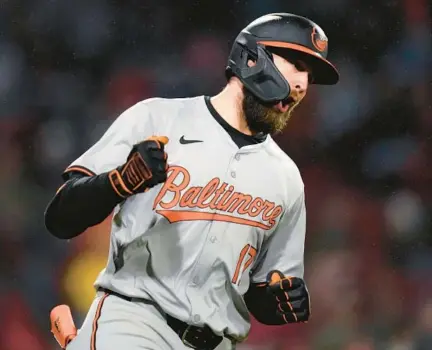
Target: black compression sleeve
{"points": [[84, 201]]}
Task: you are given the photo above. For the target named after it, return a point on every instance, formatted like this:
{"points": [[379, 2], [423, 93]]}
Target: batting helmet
{"points": [[289, 36]]}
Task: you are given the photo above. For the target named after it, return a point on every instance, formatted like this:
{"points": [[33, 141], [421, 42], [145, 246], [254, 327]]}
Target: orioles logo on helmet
{"points": [[319, 41]]}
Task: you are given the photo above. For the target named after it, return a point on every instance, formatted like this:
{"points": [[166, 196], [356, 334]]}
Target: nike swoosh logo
{"points": [[183, 141]]}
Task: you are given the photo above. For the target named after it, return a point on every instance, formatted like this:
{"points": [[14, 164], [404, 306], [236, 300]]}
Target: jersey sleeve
{"points": [[284, 251], [112, 149]]}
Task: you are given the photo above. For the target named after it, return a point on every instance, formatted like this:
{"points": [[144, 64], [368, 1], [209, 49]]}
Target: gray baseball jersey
{"points": [[224, 217]]}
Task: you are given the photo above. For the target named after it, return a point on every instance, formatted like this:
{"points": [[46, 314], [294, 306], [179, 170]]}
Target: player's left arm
{"points": [[278, 293]]}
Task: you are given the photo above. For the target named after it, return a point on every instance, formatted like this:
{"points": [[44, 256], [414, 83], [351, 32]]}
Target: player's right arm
{"points": [[116, 167], [278, 294]]}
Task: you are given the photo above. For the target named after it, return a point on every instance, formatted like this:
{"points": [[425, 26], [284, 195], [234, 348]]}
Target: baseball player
{"points": [[207, 213]]}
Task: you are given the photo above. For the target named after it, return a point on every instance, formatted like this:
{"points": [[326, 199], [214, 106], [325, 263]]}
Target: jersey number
{"points": [[246, 258]]}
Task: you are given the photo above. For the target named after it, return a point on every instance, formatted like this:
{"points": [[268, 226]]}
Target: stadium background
{"points": [[364, 147]]}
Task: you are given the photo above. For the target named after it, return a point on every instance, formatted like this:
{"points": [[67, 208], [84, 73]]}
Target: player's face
{"points": [[273, 119]]}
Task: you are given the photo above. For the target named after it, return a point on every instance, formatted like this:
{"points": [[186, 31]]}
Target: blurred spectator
{"points": [[363, 146]]}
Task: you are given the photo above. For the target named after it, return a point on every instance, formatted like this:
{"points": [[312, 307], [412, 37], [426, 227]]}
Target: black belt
{"points": [[200, 338]]}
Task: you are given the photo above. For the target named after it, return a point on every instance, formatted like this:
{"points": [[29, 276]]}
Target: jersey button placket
{"points": [[209, 253], [233, 173]]}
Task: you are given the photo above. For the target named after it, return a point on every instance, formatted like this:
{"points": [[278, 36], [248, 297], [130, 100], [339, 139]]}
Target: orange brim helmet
{"points": [[287, 35]]}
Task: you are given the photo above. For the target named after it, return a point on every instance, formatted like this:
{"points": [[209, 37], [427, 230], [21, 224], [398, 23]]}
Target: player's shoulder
{"points": [[165, 104], [163, 111], [155, 112], [285, 163]]}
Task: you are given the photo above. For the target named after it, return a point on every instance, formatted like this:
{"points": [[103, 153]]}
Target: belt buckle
{"points": [[183, 338]]}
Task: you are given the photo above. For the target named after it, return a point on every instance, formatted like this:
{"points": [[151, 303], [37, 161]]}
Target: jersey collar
{"points": [[241, 140]]}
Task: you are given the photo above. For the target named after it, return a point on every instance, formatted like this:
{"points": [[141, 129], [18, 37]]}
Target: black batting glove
{"points": [[146, 166], [292, 296]]}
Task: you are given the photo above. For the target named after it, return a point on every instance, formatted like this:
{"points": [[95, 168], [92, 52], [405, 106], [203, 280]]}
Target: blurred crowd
{"points": [[364, 148]]}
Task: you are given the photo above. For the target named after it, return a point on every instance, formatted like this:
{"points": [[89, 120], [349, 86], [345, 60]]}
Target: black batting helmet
{"points": [[287, 35]]}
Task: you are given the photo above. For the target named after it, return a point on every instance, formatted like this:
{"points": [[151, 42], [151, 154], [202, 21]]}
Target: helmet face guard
{"points": [[284, 31], [262, 79]]}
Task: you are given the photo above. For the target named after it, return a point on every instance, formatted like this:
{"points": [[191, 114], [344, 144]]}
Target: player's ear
{"points": [[251, 63]]}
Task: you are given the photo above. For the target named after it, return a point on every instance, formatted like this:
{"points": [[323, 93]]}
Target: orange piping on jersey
{"points": [[214, 195], [60, 188], [80, 169], [95, 322]]}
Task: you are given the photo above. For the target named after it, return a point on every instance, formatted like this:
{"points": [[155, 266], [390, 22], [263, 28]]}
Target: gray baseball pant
{"points": [[113, 323]]}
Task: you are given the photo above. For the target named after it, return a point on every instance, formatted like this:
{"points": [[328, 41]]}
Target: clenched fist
{"points": [[293, 304], [146, 166]]}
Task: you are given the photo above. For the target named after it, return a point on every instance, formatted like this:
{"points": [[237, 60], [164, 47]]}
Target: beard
{"points": [[265, 119]]}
